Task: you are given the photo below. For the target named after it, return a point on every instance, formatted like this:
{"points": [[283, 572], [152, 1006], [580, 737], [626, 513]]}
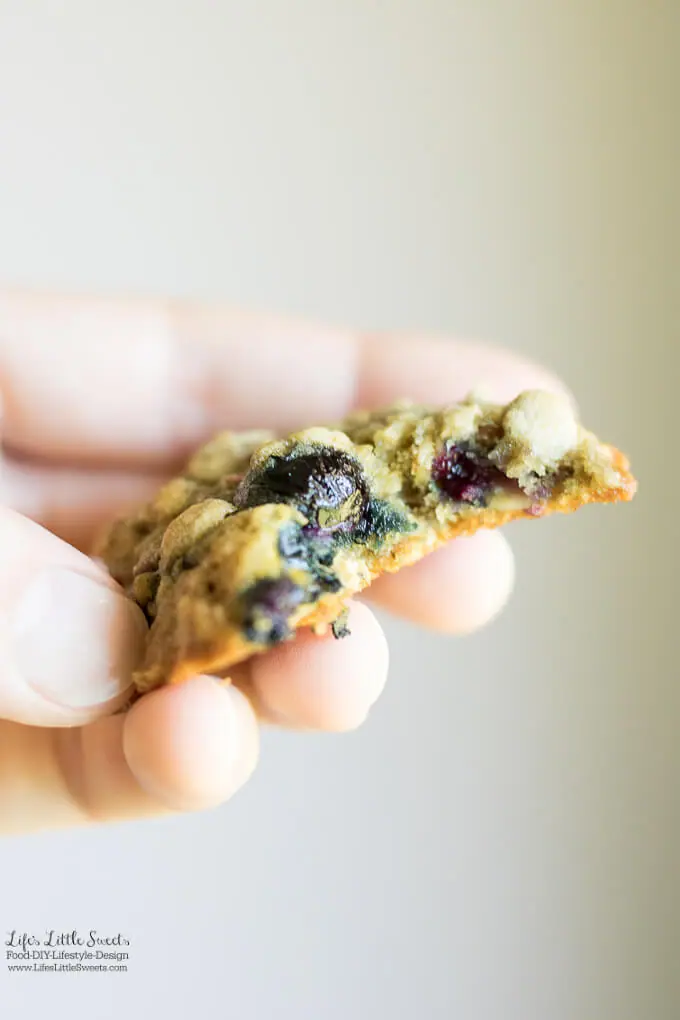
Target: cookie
{"points": [[262, 535]]}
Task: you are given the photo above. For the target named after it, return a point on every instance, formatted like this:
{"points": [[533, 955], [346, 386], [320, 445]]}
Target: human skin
{"points": [[102, 399]]}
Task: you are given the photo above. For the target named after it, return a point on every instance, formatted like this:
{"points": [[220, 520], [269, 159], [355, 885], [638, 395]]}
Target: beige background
{"points": [[502, 839]]}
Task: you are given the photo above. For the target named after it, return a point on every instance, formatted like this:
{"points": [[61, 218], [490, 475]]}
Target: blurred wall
{"points": [[502, 839]]}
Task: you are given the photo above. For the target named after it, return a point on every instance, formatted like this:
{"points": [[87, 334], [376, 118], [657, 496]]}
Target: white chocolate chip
{"points": [[542, 426]]}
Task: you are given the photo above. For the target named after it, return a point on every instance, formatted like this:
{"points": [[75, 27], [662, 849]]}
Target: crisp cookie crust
{"points": [[262, 535]]}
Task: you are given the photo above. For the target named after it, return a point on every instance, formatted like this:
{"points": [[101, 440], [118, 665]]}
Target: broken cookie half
{"points": [[261, 536]]}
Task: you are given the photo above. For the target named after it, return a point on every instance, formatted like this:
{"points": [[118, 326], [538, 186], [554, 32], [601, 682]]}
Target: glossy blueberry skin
{"points": [[267, 606], [326, 485]]}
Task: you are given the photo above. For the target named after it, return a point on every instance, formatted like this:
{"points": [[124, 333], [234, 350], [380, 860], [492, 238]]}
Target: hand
{"points": [[100, 402]]}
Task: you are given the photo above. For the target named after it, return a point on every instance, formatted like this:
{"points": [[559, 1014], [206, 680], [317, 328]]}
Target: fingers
{"points": [[189, 747], [148, 381], [457, 589], [73, 503], [183, 748], [69, 639], [320, 682], [192, 746], [438, 371]]}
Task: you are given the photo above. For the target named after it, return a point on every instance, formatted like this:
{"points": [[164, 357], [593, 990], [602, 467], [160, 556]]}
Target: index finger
{"points": [[143, 382]]}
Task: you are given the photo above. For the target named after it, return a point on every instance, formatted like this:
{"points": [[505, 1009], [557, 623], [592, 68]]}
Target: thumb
{"points": [[69, 638]]}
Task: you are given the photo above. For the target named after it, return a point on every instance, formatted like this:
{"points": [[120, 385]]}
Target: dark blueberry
{"points": [[292, 546], [323, 550], [267, 606], [383, 519], [326, 582], [326, 485], [303, 551], [465, 476]]}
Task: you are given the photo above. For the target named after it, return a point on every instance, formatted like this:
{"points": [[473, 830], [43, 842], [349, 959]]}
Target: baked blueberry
{"points": [[326, 485], [466, 476]]}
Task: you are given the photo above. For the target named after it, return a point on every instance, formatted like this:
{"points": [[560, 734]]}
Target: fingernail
{"points": [[76, 641]]}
